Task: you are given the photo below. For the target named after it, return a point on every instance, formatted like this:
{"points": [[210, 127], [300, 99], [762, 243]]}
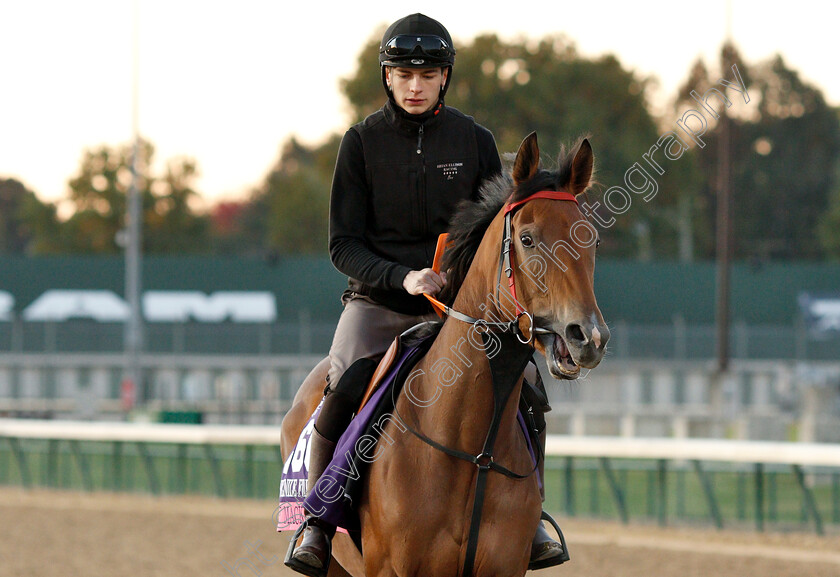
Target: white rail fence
{"points": [[237, 459]]}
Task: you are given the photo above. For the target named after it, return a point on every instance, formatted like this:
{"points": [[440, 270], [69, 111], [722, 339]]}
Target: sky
{"points": [[228, 83]]}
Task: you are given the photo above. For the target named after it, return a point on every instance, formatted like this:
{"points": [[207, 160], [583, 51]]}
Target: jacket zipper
{"points": [[421, 186]]}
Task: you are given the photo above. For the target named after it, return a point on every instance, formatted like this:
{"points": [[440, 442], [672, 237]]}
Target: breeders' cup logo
{"points": [[450, 169]]}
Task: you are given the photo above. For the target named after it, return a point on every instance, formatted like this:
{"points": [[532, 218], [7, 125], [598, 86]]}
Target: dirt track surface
{"points": [[49, 533]]}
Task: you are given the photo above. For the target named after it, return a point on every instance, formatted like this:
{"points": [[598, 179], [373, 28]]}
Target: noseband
{"points": [[506, 265]]}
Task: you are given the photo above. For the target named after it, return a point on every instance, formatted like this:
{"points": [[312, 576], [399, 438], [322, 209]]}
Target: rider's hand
{"points": [[426, 281]]}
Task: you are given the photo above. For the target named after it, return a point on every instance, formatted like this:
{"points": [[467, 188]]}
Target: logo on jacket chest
{"points": [[450, 169]]}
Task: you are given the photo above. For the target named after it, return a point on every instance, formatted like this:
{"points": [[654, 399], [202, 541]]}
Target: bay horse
{"points": [[417, 504]]}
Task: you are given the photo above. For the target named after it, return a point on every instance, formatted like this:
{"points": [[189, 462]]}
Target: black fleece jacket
{"points": [[398, 179]]}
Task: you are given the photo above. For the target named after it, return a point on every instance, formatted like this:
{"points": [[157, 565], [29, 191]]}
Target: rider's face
{"points": [[416, 90]]}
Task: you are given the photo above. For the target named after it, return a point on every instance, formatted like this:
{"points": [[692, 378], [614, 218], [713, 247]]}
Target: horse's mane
{"points": [[471, 219]]}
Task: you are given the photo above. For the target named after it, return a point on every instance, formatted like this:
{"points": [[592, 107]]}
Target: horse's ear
{"points": [[527, 159], [581, 168]]}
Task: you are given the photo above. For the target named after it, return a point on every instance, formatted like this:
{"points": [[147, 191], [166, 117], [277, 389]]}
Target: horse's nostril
{"points": [[575, 334]]}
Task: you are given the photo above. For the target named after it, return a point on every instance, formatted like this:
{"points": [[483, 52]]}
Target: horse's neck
{"points": [[454, 399], [480, 295], [456, 369]]}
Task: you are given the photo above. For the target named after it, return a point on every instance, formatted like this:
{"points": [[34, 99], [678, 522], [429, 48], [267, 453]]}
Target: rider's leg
{"points": [[545, 551], [312, 556], [364, 332]]}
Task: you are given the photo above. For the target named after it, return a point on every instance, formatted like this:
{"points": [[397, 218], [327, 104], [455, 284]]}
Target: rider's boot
{"points": [[545, 551], [312, 556]]}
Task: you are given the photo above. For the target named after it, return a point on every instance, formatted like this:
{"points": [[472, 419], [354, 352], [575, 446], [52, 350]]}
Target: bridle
{"points": [[506, 266]]}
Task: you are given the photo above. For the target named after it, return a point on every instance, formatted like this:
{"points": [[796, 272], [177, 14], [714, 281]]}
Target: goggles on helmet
{"points": [[407, 45]]}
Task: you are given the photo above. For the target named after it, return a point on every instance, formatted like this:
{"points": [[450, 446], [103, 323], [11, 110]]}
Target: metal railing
{"points": [[87, 336], [676, 341], [777, 484], [768, 486]]}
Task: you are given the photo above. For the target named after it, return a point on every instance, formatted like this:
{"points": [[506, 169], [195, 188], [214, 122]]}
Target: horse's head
{"points": [[554, 259]]}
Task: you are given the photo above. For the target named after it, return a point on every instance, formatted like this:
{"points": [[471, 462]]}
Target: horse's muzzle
{"points": [[587, 342]]}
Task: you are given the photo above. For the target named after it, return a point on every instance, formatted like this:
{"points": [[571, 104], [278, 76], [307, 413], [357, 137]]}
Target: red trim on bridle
{"points": [[549, 194]]}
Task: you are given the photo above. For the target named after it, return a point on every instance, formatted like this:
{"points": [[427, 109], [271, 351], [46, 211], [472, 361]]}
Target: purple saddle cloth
{"points": [[332, 499]]}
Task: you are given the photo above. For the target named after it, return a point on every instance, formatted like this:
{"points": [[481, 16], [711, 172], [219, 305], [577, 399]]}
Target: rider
{"points": [[399, 176]]}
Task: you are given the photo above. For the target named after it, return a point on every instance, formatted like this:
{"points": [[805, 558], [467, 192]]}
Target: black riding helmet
{"points": [[417, 41]]}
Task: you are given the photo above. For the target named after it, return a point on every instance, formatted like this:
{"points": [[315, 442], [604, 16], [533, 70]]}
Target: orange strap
{"points": [[438, 306], [439, 250]]}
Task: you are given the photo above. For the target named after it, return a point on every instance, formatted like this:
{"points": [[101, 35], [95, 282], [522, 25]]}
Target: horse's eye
{"points": [[526, 240], [597, 243]]}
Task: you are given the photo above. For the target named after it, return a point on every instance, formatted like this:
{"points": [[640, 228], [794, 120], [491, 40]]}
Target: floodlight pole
{"points": [[723, 243], [724, 249], [723, 239], [134, 238]]}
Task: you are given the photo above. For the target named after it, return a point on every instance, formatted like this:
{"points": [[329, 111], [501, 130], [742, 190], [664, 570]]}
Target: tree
{"points": [[15, 236], [226, 230], [784, 152], [289, 212], [42, 226], [829, 227], [27, 225], [173, 224], [98, 194]]}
